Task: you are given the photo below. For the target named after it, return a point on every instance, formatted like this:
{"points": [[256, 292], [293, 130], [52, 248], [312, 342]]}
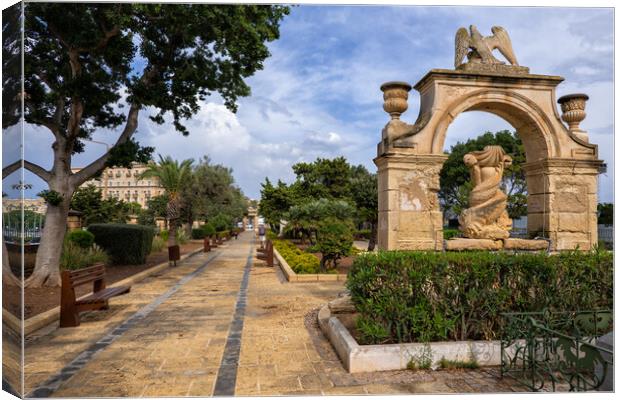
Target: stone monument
{"points": [[561, 166], [486, 217]]}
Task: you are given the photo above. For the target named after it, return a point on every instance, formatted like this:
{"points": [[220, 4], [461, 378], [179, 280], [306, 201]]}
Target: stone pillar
{"points": [[409, 214], [255, 223], [562, 201], [245, 223]]}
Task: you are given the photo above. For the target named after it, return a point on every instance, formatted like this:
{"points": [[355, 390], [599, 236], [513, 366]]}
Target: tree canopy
{"points": [[93, 66], [95, 209], [321, 185]]}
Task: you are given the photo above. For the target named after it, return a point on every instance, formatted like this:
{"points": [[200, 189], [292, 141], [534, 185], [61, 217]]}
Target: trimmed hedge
{"points": [[124, 243], [208, 230], [430, 296], [299, 261], [198, 233], [84, 239]]}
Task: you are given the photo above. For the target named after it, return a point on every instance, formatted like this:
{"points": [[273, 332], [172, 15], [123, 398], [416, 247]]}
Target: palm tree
{"points": [[172, 176]]}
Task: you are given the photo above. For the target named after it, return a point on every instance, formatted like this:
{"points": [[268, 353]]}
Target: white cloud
{"points": [[318, 94]]}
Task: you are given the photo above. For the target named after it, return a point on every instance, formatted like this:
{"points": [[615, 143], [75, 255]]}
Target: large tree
{"points": [[211, 191], [94, 66], [329, 179], [455, 181], [172, 176], [275, 201], [88, 200]]}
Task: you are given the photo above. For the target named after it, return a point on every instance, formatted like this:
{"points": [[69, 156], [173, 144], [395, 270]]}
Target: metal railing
{"points": [[541, 348]]}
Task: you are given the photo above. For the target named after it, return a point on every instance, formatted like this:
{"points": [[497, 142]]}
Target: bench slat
{"points": [[104, 294]]}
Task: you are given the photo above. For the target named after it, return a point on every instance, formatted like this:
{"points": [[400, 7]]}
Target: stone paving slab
{"points": [[183, 346]]}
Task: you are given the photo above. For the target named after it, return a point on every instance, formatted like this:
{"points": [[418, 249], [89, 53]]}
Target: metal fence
{"points": [[606, 234], [15, 234], [545, 349]]}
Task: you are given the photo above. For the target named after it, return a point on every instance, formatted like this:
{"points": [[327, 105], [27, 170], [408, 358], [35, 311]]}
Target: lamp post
{"points": [[105, 176]]}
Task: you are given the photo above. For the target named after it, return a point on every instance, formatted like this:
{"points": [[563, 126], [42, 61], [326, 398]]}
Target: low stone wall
{"points": [[371, 358], [291, 276]]}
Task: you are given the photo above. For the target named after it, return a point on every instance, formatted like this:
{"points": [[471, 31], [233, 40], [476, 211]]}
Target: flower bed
{"points": [[429, 296], [299, 261]]}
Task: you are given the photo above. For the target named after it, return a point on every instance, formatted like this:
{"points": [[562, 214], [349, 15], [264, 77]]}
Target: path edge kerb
{"points": [[45, 318], [291, 276], [390, 357]]}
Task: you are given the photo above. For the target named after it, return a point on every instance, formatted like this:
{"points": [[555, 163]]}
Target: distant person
{"points": [[261, 235]]}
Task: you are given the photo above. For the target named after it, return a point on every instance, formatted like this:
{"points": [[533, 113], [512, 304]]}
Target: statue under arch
{"points": [[486, 217]]}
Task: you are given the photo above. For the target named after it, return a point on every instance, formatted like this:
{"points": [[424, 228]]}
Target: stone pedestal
{"points": [[562, 202], [409, 214]]}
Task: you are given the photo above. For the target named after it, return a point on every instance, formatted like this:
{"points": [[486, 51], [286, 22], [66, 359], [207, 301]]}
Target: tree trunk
{"points": [[172, 232], [7, 275], [373, 237], [172, 211], [47, 268]]}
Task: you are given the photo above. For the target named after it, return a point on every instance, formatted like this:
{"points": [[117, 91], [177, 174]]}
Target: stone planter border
{"points": [[45, 318], [372, 358], [291, 276]]}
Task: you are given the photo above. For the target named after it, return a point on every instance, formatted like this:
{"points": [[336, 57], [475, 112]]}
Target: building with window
{"points": [[123, 184]]}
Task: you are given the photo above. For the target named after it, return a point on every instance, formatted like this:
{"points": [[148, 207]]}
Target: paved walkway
{"points": [[220, 323]]}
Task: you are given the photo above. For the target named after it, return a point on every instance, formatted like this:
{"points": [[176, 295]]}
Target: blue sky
{"points": [[318, 95]]}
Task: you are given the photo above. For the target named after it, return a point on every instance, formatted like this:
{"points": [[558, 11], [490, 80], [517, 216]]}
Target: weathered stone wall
{"points": [[409, 213], [562, 201]]}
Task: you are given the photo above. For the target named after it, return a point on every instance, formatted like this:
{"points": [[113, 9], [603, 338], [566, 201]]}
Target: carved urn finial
{"points": [[573, 112], [395, 95]]}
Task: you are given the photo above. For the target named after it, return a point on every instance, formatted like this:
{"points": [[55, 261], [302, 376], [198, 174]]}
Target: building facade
{"points": [[123, 184]]}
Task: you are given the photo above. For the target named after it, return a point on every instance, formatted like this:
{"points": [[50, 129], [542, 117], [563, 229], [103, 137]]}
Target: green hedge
{"points": [[84, 239], [124, 243], [198, 233], [299, 261], [203, 231], [449, 233], [431, 296]]}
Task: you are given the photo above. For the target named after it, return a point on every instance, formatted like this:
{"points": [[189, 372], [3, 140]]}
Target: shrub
{"points": [[208, 230], [222, 222], [74, 256], [430, 296], [449, 233], [198, 233], [163, 234], [84, 239], [124, 243], [300, 262], [158, 244], [182, 236], [334, 241]]}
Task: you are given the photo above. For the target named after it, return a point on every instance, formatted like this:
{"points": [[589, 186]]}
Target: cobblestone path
{"points": [[220, 323]]}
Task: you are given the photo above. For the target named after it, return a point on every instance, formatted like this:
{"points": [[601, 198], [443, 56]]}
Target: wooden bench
{"points": [[70, 306], [266, 253]]}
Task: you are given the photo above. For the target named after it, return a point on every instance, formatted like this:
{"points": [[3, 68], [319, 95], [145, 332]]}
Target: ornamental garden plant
{"points": [[403, 296]]}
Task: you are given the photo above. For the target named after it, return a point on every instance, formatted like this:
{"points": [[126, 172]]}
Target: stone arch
{"points": [[531, 123], [561, 169]]}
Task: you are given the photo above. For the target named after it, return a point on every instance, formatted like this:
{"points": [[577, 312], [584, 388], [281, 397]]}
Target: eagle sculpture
{"points": [[479, 49]]}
